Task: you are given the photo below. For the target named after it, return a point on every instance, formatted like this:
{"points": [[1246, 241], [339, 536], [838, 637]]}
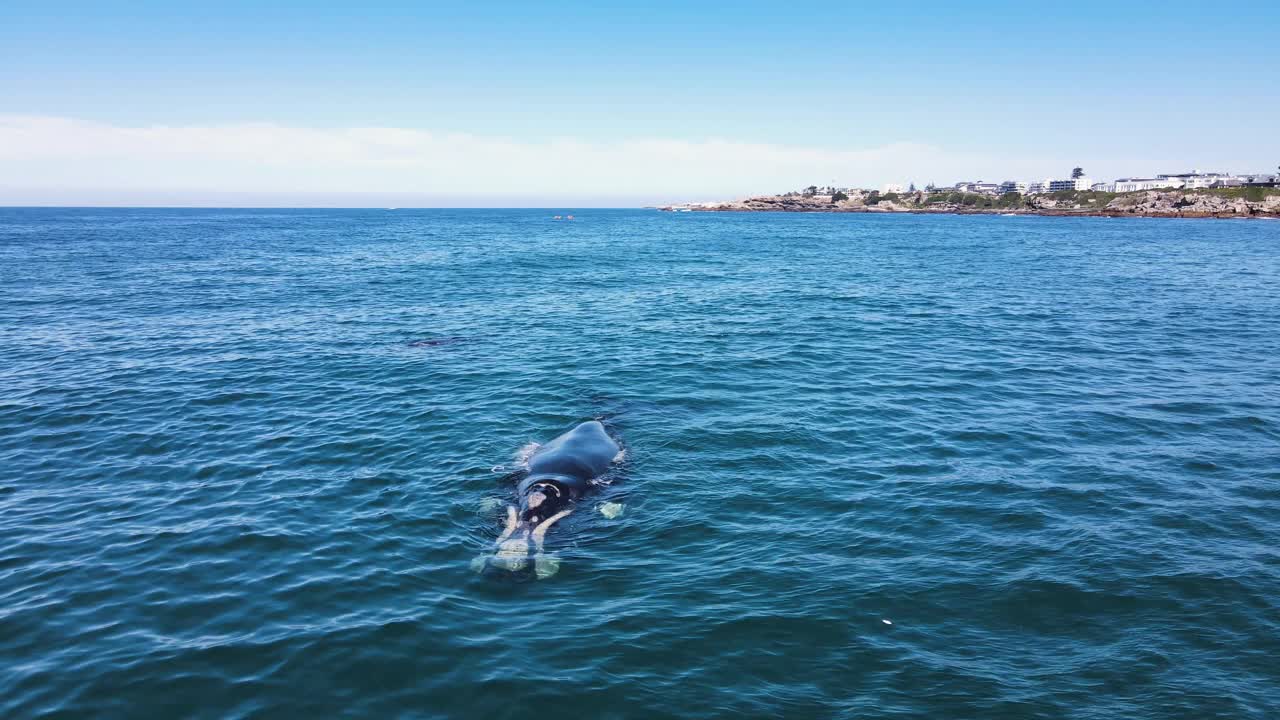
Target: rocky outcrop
{"points": [[1152, 203], [1180, 204], [794, 203]]}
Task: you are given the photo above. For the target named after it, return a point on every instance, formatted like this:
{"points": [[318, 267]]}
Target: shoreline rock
{"points": [[1150, 203]]}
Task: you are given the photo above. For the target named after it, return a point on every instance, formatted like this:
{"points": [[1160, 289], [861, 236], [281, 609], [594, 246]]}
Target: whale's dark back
{"points": [[582, 454]]}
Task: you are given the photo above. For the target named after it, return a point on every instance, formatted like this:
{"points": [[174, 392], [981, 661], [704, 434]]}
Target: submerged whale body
{"points": [[437, 342]]}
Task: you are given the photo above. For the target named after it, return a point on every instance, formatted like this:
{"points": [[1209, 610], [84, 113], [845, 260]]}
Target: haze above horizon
{"points": [[142, 103]]}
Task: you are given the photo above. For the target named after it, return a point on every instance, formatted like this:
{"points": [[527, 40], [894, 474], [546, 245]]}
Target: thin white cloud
{"points": [[54, 152], [41, 154]]}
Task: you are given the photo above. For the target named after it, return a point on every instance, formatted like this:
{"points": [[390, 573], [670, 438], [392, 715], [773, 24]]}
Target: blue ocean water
{"points": [[878, 466]]}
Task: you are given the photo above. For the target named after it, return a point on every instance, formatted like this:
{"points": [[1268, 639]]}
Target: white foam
{"points": [[524, 453]]}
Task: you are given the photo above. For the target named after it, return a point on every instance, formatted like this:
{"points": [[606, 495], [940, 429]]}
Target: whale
{"points": [[436, 342], [555, 477]]}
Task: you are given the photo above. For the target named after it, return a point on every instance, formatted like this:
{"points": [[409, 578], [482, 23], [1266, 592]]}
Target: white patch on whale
{"points": [[512, 554], [524, 453]]}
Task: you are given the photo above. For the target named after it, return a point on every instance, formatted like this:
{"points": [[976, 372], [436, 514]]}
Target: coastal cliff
{"points": [[1230, 203]]}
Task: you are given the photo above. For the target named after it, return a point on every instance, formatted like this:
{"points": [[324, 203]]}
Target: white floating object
{"points": [[611, 510], [886, 621], [544, 566]]}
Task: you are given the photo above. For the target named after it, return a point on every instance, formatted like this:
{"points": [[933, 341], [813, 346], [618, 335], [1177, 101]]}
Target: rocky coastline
{"points": [[1150, 203]]}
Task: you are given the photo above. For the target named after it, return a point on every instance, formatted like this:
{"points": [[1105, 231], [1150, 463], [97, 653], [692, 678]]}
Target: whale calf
{"points": [[556, 475]]}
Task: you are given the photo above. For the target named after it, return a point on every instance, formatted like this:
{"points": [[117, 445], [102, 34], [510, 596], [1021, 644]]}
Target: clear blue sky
{"points": [[1107, 82]]}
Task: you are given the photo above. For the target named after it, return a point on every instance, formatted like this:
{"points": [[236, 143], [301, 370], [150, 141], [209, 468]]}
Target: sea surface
{"points": [[877, 466]]}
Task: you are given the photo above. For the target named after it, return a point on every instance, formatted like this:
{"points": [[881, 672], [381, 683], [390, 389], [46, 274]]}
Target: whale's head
{"points": [[540, 500]]}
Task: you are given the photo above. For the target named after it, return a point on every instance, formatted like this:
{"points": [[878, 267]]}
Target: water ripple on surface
{"points": [[1042, 449]]}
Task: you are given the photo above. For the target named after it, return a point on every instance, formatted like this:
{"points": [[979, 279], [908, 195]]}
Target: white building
{"points": [[1103, 187], [1035, 188], [978, 187], [1137, 184], [1229, 182], [1195, 178], [1012, 186], [1080, 183], [892, 188]]}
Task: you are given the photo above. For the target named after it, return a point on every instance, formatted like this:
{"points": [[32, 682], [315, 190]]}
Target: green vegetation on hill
{"points": [[1017, 201], [1252, 194], [978, 201], [1085, 198], [1011, 201]]}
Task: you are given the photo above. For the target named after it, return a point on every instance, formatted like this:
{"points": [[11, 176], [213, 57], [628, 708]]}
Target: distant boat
{"points": [[681, 208]]}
